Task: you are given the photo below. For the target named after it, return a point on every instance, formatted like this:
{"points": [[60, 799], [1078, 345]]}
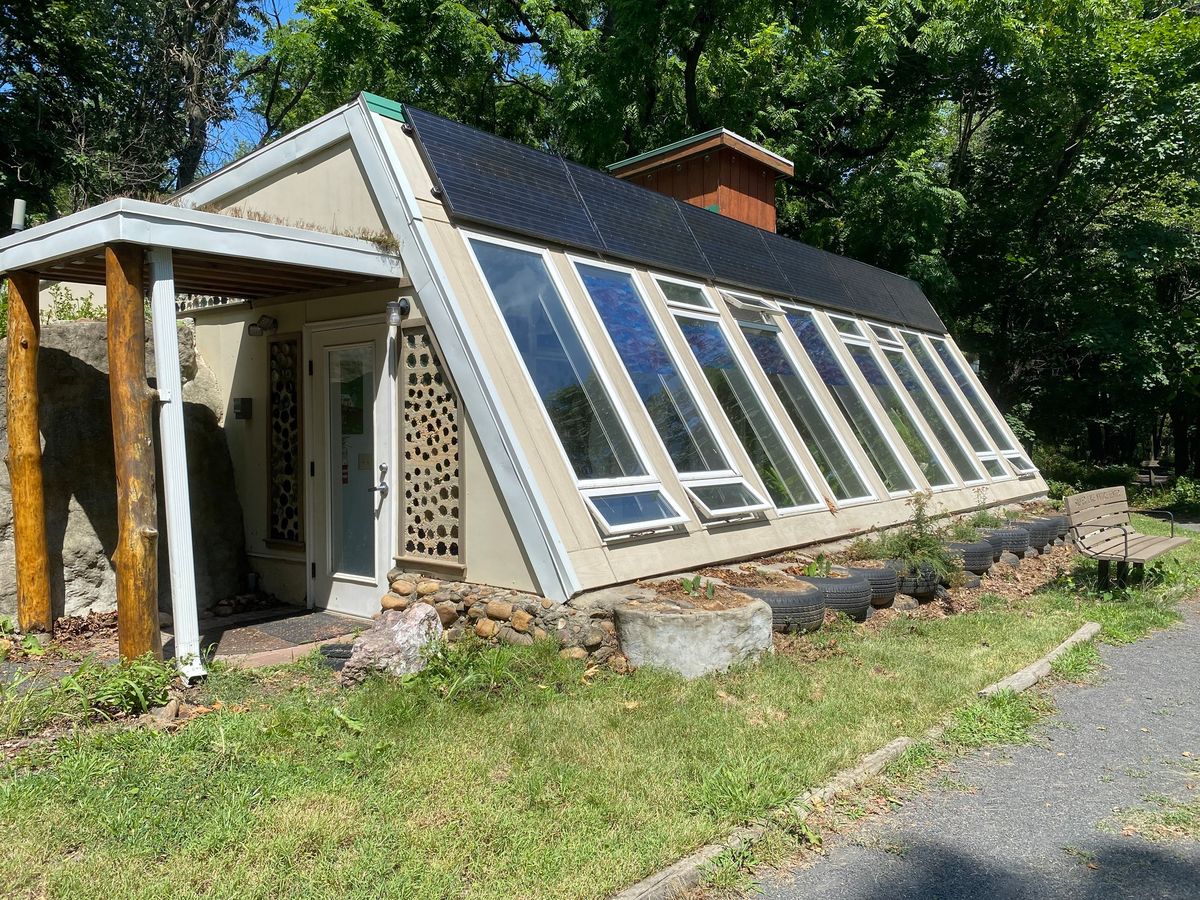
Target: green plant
{"points": [[917, 545], [694, 587], [128, 687], [819, 567]]}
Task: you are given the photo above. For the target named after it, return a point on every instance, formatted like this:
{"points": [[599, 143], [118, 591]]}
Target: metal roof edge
{"points": [[695, 139], [384, 106]]}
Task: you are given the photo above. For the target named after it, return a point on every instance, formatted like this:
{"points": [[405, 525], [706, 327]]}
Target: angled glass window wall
{"points": [[836, 465], [960, 456], [953, 401], [666, 394], [850, 402], [594, 438], [988, 415], [779, 470]]}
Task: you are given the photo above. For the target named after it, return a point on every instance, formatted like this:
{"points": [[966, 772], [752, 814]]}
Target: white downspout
{"points": [[174, 464]]}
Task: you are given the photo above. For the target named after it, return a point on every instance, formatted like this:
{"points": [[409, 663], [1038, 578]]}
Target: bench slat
{"points": [[1098, 512], [1077, 503], [1167, 545], [1101, 522]]}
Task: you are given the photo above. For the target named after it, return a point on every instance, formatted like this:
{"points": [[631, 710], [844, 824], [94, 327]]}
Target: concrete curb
{"points": [[687, 873], [1027, 677]]}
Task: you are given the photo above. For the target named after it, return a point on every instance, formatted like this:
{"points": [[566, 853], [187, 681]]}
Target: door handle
{"points": [[382, 488]]}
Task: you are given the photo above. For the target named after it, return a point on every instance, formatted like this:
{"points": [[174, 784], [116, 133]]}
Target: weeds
{"points": [[1002, 718], [1079, 663], [93, 691], [696, 587]]}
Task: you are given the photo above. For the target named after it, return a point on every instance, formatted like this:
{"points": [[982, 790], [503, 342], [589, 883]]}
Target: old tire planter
{"points": [[851, 596], [801, 608], [1013, 540], [884, 583], [991, 535], [1039, 532], [922, 585], [1059, 526], [977, 556]]}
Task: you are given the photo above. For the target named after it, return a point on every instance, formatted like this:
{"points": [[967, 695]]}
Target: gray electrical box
{"points": [[243, 407]]}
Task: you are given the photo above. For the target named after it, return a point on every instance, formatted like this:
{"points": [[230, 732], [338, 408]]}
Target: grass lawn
{"points": [[499, 773]]}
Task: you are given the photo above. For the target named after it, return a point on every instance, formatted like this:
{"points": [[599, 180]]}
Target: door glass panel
{"points": [[846, 395], [963, 464], [747, 415], [904, 423], [352, 465], [672, 408], [831, 459], [574, 397]]}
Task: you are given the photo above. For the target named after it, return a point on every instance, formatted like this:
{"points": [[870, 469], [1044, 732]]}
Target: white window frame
{"points": [[728, 475], [1010, 455], [723, 513], [714, 315], [657, 277], [587, 486], [894, 343], [851, 371], [823, 408], [750, 302], [935, 446], [609, 530], [964, 404]]}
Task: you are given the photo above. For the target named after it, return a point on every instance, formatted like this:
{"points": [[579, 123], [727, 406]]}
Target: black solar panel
{"points": [[492, 181], [914, 306], [498, 182], [735, 251], [865, 284], [638, 224], [809, 272]]}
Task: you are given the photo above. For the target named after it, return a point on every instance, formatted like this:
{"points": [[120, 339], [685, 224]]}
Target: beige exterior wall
{"points": [[326, 190]]}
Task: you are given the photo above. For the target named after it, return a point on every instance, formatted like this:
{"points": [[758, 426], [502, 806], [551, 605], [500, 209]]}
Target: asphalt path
{"points": [[1040, 820]]}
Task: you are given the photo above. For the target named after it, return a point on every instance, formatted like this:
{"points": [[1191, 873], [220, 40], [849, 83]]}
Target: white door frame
{"points": [[316, 547]]}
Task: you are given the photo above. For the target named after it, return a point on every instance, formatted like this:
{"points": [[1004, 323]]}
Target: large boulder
{"points": [[80, 479], [396, 644], [693, 642]]}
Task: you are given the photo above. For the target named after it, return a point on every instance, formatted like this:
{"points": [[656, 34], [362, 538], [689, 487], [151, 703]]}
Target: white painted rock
{"points": [[395, 644], [693, 642]]}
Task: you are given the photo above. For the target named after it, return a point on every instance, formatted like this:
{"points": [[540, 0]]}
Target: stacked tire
{"points": [[884, 583], [1012, 539], [851, 596], [921, 584], [792, 609], [1039, 532], [977, 556], [1060, 524]]}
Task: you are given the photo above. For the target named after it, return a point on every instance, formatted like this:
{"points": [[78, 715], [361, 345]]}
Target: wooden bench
{"points": [[1100, 529]]}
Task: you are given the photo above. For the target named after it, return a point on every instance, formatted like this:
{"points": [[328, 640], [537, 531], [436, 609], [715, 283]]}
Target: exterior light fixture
{"points": [[397, 310], [264, 325]]}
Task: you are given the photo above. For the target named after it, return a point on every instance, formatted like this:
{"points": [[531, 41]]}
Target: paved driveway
{"points": [[1037, 820]]}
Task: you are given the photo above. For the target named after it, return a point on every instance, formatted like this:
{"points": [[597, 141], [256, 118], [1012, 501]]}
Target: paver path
{"points": [[1032, 819]]}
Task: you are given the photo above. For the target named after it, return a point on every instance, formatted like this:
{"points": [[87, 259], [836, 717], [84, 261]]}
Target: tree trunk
{"points": [[1181, 434], [34, 612], [137, 509]]}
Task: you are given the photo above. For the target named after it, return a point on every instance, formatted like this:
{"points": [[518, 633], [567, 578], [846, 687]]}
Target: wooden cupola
{"points": [[718, 170]]}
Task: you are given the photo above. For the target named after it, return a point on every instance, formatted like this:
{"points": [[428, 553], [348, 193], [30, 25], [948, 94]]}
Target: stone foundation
{"points": [[582, 628]]}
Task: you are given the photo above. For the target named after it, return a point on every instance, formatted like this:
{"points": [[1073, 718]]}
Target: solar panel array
{"points": [[495, 182]]}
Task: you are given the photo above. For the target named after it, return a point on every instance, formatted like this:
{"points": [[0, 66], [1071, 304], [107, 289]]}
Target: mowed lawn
{"points": [[501, 773]]}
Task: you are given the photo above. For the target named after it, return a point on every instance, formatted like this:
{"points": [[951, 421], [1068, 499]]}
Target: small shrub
{"points": [[819, 567]]}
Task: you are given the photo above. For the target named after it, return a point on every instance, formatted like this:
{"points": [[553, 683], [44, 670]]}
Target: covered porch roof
{"points": [[214, 254], [137, 250]]}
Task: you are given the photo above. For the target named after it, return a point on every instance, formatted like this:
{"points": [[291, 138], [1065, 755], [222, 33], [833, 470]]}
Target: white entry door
{"points": [[351, 402]]}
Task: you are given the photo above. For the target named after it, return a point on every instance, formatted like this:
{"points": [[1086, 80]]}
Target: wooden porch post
{"points": [[25, 456], [133, 445]]}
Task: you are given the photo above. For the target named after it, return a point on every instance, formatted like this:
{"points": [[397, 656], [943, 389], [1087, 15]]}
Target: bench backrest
{"points": [[1097, 517]]}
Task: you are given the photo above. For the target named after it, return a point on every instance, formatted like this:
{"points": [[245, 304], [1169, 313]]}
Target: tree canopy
{"points": [[1032, 164]]}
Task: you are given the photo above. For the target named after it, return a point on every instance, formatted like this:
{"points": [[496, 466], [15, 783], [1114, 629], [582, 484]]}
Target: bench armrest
{"points": [[1159, 512]]}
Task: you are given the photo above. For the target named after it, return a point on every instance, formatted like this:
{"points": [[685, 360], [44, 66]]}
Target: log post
{"points": [[25, 456], [133, 448]]}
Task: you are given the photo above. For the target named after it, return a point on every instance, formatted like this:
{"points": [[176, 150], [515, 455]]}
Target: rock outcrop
{"points": [[80, 483]]}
